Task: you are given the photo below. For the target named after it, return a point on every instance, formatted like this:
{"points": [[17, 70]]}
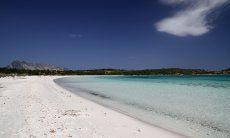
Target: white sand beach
{"points": [[35, 106]]}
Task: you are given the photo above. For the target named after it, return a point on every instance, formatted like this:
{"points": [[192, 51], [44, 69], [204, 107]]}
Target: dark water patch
{"points": [[94, 93], [99, 95], [86, 91]]}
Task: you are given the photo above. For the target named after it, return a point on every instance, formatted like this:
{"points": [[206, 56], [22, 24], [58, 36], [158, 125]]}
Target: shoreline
{"points": [[41, 108], [117, 110]]}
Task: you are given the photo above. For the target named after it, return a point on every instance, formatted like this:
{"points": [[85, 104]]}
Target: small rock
{"points": [[32, 136], [71, 113], [52, 131]]}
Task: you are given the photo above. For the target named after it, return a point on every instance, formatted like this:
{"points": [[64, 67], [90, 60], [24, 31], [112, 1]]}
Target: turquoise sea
{"points": [[194, 106]]}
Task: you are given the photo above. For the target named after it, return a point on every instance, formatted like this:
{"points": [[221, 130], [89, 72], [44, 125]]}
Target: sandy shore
{"points": [[38, 107]]}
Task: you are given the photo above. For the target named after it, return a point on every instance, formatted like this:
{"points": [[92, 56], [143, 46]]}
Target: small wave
{"points": [[213, 85], [204, 123]]}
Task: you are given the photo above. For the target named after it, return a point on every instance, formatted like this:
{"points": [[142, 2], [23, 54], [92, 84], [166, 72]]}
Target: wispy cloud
{"points": [[173, 1], [75, 36], [191, 19]]}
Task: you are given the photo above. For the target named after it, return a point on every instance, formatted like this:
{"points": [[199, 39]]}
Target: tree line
{"points": [[163, 71]]}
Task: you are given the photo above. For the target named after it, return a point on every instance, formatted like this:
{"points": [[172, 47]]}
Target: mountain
{"points": [[32, 66]]}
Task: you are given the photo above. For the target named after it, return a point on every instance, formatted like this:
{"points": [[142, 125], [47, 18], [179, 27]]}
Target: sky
{"points": [[120, 34]]}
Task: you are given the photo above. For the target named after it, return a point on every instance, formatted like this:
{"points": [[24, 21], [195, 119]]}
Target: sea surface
{"points": [[194, 106]]}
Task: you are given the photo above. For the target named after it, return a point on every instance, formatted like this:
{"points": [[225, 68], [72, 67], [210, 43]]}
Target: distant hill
{"points": [[26, 68], [32, 66]]}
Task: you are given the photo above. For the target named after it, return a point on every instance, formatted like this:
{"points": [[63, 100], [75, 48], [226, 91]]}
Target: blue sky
{"points": [[126, 34]]}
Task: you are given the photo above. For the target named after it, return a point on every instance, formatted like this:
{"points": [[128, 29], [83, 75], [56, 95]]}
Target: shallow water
{"points": [[195, 106]]}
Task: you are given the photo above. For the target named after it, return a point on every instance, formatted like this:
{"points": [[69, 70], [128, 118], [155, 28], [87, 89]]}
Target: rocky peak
{"points": [[16, 64]]}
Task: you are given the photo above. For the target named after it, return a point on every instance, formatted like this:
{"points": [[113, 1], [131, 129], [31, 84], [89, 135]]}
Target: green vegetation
{"points": [[164, 71]]}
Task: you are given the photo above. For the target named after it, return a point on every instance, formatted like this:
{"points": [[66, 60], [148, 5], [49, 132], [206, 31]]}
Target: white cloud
{"points": [[191, 19], [74, 36], [173, 1]]}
